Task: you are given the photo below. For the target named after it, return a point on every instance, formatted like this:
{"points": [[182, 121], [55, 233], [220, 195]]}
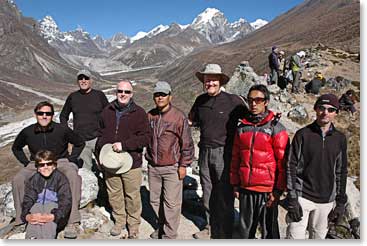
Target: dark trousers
{"points": [[253, 212], [217, 191], [296, 81]]}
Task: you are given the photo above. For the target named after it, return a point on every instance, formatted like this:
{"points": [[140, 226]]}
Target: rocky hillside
{"points": [[333, 23]]}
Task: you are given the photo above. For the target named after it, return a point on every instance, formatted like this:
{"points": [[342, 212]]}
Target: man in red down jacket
{"points": [[258, 166]]}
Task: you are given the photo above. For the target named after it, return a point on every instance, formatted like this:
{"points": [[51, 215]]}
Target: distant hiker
{"points": [[170, 151], [125, 127], [274, 65], [47, 198], [282, 80], [347, 101], [315, 84], [295, 65], [317, 173], [258, 166], [47, 134], [216, 113], [86, 104]]}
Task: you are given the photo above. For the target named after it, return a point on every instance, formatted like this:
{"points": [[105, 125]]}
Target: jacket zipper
{"points": [[44, 140], [251, 153], [157, 137], [44, 193]]}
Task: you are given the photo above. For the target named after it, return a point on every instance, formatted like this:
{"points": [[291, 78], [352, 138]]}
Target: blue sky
{"points": [[129, 17]]}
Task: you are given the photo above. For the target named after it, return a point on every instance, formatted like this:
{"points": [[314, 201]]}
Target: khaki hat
{"points": [[162, 86], [114, 162], [213, 69]]}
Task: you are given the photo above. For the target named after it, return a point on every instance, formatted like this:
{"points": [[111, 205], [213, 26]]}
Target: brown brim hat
{"points": [[114, 162], [213, 69]]}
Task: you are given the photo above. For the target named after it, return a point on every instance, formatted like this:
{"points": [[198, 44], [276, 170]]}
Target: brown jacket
{"points": [[171, 142], [132, 131]]}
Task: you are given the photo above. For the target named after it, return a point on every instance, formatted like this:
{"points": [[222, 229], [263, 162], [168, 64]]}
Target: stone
{"points": [[89, 187], [298, 113]]}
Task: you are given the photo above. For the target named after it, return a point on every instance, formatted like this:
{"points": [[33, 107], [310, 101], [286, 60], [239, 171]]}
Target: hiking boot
{"points": [[118, 230], [71, 231], [155, 234], [203, 234]]}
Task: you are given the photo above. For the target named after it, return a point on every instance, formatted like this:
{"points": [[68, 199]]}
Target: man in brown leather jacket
{"points": [[171, 150]]}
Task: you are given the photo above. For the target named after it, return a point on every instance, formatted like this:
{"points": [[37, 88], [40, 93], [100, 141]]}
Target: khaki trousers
{"points": [[87, 153], [166, 190], [69, 169], [124, 197], [314, 219]]}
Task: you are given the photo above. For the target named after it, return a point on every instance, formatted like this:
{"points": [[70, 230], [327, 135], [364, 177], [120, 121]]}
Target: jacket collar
{"points": [[132, 106], [267, 118], [39, 129], [316, 128]]}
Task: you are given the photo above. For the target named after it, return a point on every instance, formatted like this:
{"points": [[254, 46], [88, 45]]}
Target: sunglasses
{"points": [[81, 77], [330, 110], [257, 100], [43, 164], [124, 91], [41, 113], [160, 94]]}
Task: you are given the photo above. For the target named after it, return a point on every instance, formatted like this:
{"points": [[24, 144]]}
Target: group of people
{"points": [[284, 71], [244, 153]]}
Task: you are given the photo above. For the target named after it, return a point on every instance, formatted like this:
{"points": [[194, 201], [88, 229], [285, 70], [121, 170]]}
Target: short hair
{"points": [[43, 104], [261, 88], [45, 155]]}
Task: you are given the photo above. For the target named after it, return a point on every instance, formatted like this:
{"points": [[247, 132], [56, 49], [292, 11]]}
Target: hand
{"points": [[295, 212], [181, 173], [34, 219], [236, 193], [117, 147], [45, 218], [337, 213]]}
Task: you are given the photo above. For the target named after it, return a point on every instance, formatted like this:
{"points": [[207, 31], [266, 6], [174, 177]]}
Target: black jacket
{"points": [[317, 165], [55, 188], [273, 61], [55, 138], [86, 109]]}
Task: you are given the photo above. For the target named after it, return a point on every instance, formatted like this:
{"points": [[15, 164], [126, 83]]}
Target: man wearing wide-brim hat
{"points": [[216, 113], [126, 132]]}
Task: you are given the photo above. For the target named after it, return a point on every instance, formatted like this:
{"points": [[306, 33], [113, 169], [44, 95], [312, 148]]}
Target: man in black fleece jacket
{"points": [[48, 135], [86, 104], [317, 173]]}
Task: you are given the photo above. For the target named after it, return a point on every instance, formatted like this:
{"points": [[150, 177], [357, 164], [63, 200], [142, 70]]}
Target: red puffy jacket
{"points": [[258, 155]]}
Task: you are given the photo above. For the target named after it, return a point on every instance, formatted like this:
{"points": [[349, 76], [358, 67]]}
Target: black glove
{"points": [[295, 212], [337, 213]]}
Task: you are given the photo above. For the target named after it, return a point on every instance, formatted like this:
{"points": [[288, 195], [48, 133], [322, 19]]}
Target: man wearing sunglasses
{"points": [[49, 135], [86, 104], [169, 153], [216, 113], [258, 166], [126, 126], [317, 173]]}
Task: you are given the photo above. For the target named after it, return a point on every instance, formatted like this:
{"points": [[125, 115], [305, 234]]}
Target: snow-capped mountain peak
{"points": [[157, 30], [258, 23], [138, 36], [49, 28]]}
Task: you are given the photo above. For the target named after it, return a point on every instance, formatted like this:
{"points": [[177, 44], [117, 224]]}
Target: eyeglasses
{"points": [[41, 113], [43, 164], [82, 76], [160, 94], [257, 100], [124, 91], [330, 110]]}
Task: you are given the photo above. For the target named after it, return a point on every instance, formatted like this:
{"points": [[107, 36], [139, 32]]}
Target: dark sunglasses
{"points": [[124, 91], [257, 100], [40, 113], [330, 110], [160, 94], [42, 164], [82, 76]]}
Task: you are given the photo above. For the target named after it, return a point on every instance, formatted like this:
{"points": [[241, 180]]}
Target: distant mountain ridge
{"points": [[160, 46]]}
